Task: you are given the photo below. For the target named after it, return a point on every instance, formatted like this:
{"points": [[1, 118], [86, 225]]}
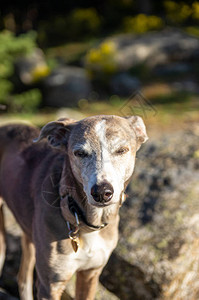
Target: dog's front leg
{"points": [[2, 237], [86, 284], [54, 292], [25, 276]]}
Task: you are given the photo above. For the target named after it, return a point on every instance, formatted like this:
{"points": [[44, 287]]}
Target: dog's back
{"points": [[20, 134], [20, 159], [14, 141]]}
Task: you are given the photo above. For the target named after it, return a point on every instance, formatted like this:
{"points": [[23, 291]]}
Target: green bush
{"points": [[12, 47], [26, 101]]}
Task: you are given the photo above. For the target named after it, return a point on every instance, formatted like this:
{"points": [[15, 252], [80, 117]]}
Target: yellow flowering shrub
{"points": [[195, 7], [102, 59], [142, 23], [196, 154], [39, 72]]}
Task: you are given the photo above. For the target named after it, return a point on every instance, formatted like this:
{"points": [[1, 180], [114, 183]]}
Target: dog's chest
{"points": [[93, 252]]}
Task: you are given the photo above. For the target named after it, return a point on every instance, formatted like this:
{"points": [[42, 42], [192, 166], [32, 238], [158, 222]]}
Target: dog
{"points": [[65, 185]]}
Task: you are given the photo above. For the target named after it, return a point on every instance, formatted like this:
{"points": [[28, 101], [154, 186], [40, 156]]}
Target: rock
{"points": [[188, 85], [2, 107], [159, 221], [31, 68], [155, 48], [128, 281], [185, 280], [123, 84], [66, 86], [173, 69]]}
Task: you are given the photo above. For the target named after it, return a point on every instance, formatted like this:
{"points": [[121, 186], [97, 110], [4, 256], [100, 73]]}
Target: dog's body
{"points": [[66, 198]]}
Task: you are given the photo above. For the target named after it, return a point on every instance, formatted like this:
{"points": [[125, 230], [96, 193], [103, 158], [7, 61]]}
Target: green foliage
{"points": [[12, 47], [172, 97], [26, 101], [5, 89], [71, 53], [142, 23]]}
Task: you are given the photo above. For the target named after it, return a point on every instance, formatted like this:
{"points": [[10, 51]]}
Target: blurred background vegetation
{"points": [[123, 57], [42, 43]]}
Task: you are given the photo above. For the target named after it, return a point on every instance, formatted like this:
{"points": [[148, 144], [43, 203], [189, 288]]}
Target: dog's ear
{"points": [[137, 124], [57, 132]]}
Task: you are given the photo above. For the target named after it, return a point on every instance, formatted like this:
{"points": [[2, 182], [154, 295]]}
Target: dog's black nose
{"points": [[102, 192]]}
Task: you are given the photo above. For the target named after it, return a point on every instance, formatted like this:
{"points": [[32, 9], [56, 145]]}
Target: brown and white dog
{"points": [[65, 192]]}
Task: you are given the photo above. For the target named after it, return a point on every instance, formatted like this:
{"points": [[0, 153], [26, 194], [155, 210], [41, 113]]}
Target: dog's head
{"points": [[101, 151]]}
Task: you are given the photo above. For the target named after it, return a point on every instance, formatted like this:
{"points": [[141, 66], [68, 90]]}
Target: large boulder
{"points": [[123, 84], [66, 86], [155, 48], [158, 256]]}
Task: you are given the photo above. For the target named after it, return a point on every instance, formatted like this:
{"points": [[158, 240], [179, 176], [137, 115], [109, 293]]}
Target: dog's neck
{"points": [[96, 216]]}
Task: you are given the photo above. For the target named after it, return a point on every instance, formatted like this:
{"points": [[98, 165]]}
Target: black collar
{"points": [[75, 209]]}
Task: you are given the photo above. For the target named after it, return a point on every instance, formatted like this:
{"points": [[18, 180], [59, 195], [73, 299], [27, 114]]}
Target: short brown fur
{"points": [[35, 181]]}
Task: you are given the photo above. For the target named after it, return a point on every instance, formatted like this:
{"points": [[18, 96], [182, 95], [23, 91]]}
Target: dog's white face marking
{"points": [[101, 150], [110, 167]]}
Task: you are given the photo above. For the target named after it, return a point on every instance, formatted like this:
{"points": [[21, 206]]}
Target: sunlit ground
{"points": [[160, 108]]}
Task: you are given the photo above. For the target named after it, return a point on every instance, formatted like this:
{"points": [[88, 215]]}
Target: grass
{"points": [[38, 119], [193, 30], [160, 110], [71, 53], [173, 97], [163, 109]]}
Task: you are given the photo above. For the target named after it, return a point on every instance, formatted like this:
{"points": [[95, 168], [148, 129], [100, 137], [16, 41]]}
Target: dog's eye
{"points": [[80, 153], [121, 150]]}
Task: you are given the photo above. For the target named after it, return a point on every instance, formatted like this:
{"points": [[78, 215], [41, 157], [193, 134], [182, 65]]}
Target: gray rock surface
{"points": [[123, 84], [155, 48], [159, 222], [66, 86]]}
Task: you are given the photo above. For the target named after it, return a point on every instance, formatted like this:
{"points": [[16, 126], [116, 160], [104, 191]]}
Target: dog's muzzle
{"points": [[103, 192]]}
